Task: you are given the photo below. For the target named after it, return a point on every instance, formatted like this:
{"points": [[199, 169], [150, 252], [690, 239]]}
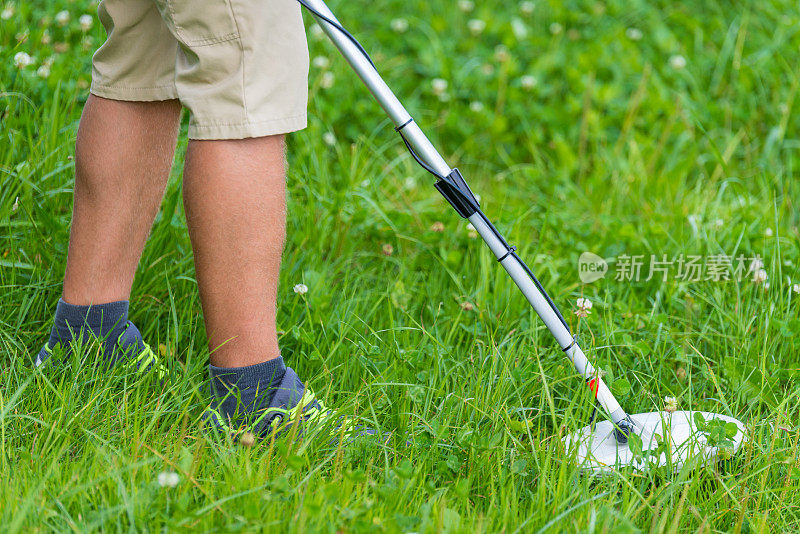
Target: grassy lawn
{"points": [[658, 131]]}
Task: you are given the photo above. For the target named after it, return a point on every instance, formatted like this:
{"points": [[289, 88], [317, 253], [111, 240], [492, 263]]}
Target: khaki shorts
{"points": [[239, 66]]}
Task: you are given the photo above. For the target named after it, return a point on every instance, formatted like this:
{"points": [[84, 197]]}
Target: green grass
{"points": [[609, 148]]}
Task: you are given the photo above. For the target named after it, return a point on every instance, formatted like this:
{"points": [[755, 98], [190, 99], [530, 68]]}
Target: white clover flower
{"points": [[476, 26], [760, 276], [466, 5], [439, 86], [472, 233], [329, 138], [22, 60], [756, 264], [7, 12], [410, 182], [15, 207], [556, 28], [768, 232], [86, 22], [476, 106], [600, 373], [326, 82], [634, 34], [301, 289], [670, 404], [719, 223], [528, 82], [399, 25], [795, 287], [501, 54], [677, 62], [247, 439], [43, 71], [584, 307], [519, 29], [62, 18], [168, 479], [526, 8], [316, 32], [321, 62], [46, 39]]}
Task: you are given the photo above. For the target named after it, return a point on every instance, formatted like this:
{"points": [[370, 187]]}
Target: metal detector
{"points": [[597, 447]]}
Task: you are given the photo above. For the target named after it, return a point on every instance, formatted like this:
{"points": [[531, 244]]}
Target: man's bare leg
{"points": [[234, 196], [123, 156]]}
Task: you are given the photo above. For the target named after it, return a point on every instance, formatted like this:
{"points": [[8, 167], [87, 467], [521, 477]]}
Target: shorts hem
{"points": [[135, 94], [246, 129]]}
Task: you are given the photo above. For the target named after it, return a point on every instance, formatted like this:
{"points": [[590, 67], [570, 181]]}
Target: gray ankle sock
{"points": [[105, 321], [239, 391]]}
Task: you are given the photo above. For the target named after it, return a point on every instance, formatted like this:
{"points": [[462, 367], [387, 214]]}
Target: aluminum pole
{"points": [[428, 153]]}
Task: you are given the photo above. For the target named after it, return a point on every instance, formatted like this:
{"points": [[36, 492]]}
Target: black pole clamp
{"points": [[456, 191]]}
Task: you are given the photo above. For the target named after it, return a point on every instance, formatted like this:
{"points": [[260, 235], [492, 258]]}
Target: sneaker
{"points": [[291, 404], [130, 350]]}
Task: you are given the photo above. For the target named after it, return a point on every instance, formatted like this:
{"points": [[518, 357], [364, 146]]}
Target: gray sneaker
{"points": [[291, 404], [129, 349]]}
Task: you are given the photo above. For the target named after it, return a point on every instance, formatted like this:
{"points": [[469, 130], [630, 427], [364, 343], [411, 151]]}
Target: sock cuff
{"points": [[98, 317], [260, 376]]}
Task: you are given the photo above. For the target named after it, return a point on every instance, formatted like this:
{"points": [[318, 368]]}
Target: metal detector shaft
{"points": [[424, 150]]}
